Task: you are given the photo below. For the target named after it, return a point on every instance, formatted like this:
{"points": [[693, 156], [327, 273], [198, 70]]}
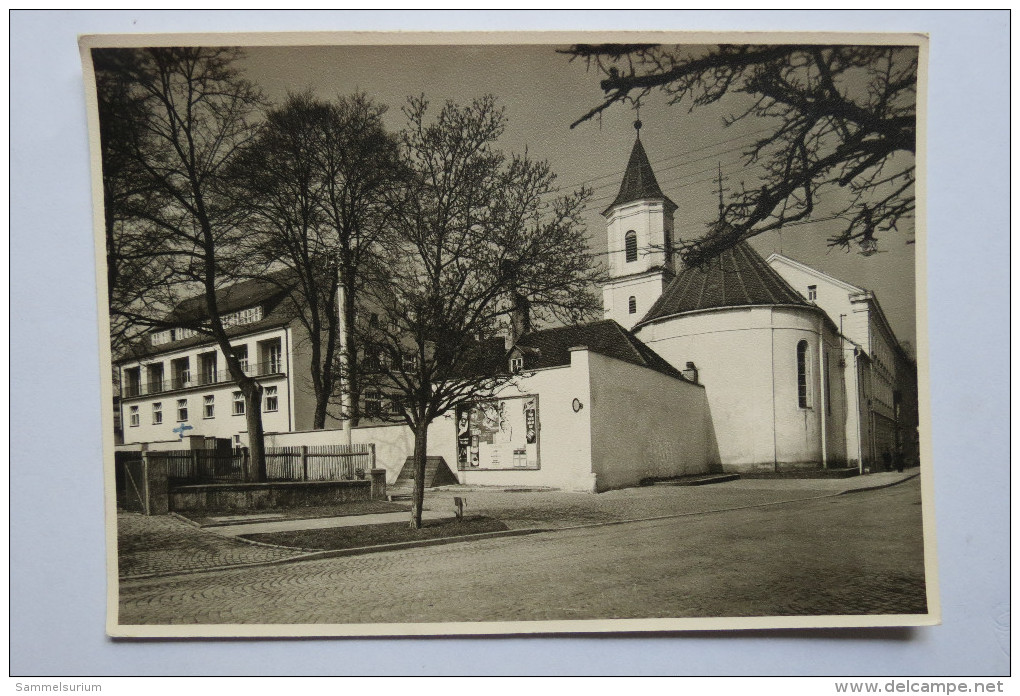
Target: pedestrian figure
{"points": [[898, 459], [887, 459]]}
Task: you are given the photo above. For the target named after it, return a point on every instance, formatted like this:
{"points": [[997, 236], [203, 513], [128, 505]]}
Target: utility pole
{"points": [[345, 362]]}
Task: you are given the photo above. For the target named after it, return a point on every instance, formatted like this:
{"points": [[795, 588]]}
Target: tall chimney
{"points": [[520, 307], [520, 316]]}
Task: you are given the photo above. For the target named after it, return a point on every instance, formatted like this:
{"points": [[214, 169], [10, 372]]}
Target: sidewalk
{"points": [[166, 545], [560, 509]]}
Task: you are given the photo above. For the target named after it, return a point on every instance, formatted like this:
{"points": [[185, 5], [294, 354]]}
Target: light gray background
{"points": [[57, 552]]}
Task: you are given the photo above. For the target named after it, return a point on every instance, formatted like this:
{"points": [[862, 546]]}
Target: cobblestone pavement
{"points": [[165, 544], [853, 554]]}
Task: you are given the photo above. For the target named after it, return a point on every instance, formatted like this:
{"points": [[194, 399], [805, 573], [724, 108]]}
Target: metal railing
{"points": [[201, 379]]}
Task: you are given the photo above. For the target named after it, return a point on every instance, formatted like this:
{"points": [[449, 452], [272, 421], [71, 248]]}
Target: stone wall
{"points": [[267, 496]]}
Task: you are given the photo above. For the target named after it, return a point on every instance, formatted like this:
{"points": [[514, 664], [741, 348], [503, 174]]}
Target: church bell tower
{"points": [[639, 224]]}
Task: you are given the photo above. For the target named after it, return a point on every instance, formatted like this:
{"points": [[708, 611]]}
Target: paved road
{"points": [[164, 544], [850, 554]]}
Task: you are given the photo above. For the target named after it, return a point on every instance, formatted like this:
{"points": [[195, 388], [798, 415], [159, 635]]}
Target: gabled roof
{"points": [[738, 277], [774, 257], [240, 295], [551, 347], [270, 293], [638, 181]]}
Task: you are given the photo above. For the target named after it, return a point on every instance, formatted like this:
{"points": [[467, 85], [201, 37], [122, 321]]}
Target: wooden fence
{"points": [[320, 463]]}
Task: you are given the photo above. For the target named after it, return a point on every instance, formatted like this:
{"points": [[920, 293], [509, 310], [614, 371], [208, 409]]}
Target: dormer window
{"points": [[244, 316], [630, 245], [516, 364]]}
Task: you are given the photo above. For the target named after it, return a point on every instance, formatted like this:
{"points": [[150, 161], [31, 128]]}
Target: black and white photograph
{"points": [[437, 334]]}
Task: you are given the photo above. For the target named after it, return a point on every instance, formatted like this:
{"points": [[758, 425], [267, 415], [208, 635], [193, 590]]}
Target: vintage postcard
{"points": [[425, 334]]}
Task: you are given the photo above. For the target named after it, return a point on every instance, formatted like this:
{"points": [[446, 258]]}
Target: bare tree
{"points": [[844, 116], [131, 265], [191, 112], [315, 180], [476, 232]]}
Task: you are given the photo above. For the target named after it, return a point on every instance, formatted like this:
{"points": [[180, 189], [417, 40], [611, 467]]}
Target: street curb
{"points": [[337, 553], [213, 525], [884, 485], [403, 545]]}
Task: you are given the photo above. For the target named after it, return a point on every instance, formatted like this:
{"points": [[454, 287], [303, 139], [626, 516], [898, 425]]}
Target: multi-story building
{"points": [[881, 378], [176, 383]]}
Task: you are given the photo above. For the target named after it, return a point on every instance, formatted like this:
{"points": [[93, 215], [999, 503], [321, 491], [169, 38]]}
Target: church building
{"points": [[768, 358]]}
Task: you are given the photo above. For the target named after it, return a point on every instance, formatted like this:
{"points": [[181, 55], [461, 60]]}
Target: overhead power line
{"points": [[619, 173]]}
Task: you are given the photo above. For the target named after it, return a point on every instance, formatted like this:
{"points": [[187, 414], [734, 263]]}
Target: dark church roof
{"points": [[738, 277], [551, 347], [638, 181]]}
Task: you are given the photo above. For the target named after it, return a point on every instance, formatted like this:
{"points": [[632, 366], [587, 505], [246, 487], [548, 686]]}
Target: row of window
{"points": [[169, 335], [244, 316], [271, 402], [270, 356]]}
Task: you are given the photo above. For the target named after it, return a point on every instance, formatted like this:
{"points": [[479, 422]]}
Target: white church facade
{"points": [[768, 358]]}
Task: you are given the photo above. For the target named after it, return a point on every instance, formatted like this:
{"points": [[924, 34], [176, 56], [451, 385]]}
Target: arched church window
{"points": [[630, 242], [803, 375], [632, 305]]}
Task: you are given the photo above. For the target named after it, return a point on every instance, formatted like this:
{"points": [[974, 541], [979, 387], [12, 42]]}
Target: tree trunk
{"points": [[256, 435], [421, 437], [319, 418]]}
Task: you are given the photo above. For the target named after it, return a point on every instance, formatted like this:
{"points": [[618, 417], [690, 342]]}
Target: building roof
{"points": [[638, 180], [551, 347], [270, 293], [240, 295], [856, 293], [738, 277]]}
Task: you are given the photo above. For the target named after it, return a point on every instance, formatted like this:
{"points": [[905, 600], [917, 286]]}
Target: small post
{"points": [[304, 462], [371, 458], [378, 491], [157, 491], [458, 507]]}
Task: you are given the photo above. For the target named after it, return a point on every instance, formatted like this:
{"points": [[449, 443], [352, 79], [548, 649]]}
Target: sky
{"points": [[543, 93]]}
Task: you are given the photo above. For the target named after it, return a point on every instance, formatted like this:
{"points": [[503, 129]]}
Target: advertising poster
{"points": [[498, 434]]}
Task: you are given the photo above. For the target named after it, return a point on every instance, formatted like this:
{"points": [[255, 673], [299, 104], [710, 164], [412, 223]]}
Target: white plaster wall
{"points": [[746, 358], [646, 424], [564, 437], [732, 351], [832, 296], [393, 443], [616, 295], [646, 218]]}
